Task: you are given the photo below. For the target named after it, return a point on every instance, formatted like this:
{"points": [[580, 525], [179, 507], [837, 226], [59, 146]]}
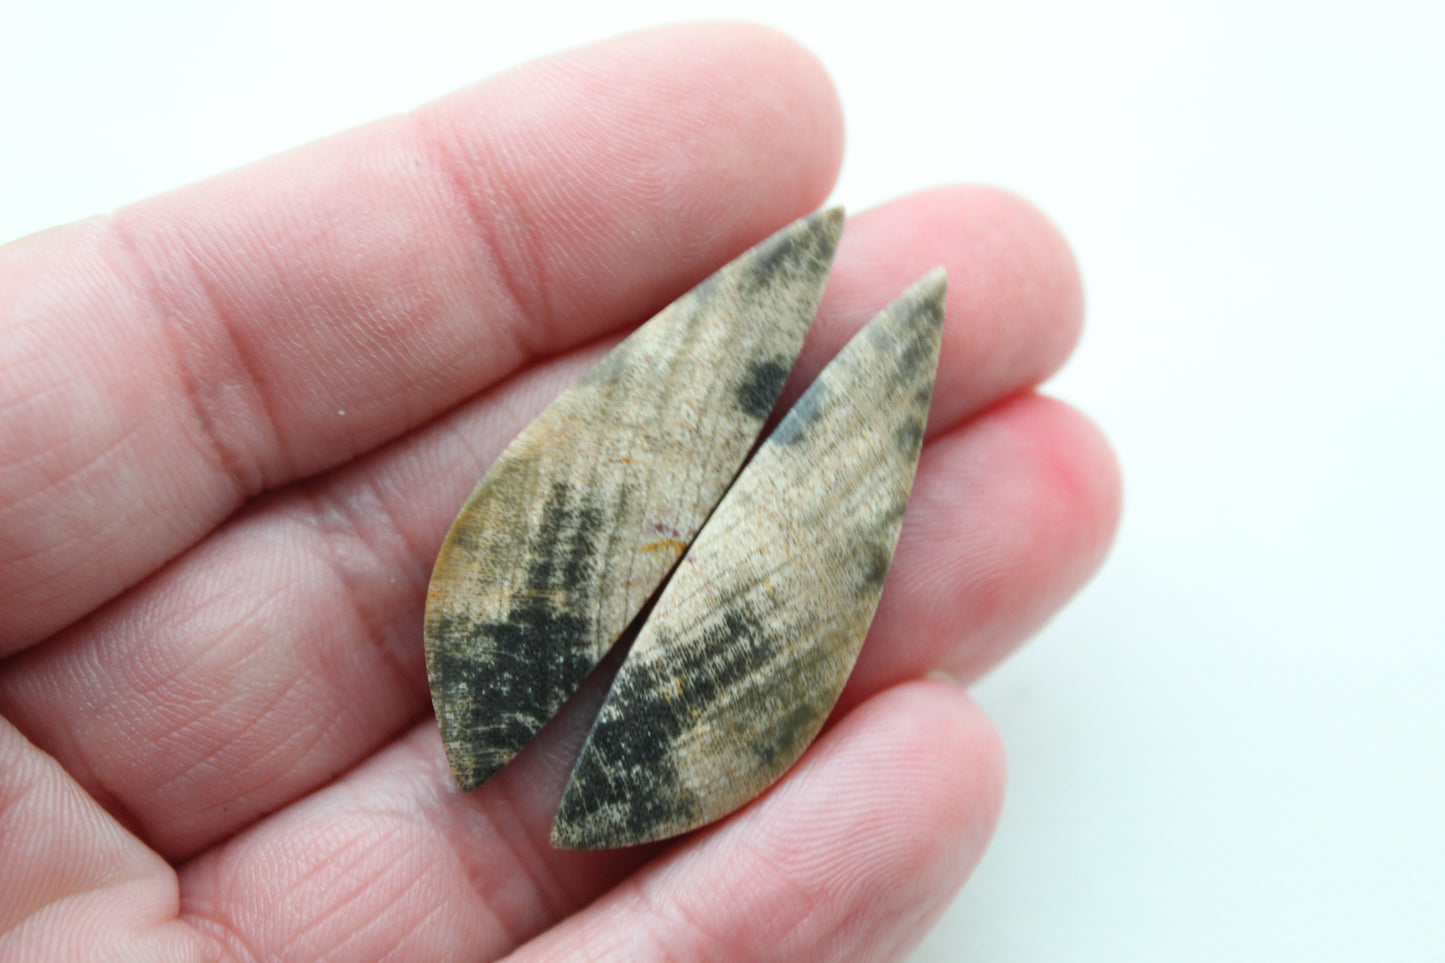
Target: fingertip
{"points": [[1076, 475], [1010, 514], [959, 750], [910, 785], [963, 810], [803, 87], [692, 141], [1031, 280], [1035, 247], [776, 98], [921, 751], [1015, 298], [758, 87]]}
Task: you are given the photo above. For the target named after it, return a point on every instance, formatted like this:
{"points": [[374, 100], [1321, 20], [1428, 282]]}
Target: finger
{"points": [[75, 883], [851, 857], [1011, 514], [286, 648], [393, 860], [277, 653], [167, 362], [1015, 301]]}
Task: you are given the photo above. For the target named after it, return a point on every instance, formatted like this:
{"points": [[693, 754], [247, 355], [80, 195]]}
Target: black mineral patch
{"points": [[786, 253], [772, 257], [875, 569], [909, 434], [801, 417], [628, 768], [547, 614], [502, 680], [739, 673], [793, 728], [904, 343], [627, 771], [761, 386], [917, 347]]}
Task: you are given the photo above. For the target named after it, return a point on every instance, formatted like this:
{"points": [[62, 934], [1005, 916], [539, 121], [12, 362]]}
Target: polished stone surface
{"points": [[750, 643], [581, 517]]}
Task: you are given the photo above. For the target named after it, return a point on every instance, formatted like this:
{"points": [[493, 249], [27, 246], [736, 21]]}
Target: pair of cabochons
{"points": [[634, 467]]}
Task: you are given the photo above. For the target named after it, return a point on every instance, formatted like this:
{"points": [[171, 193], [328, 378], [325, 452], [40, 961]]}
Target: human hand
{"points": [[236, 421]]}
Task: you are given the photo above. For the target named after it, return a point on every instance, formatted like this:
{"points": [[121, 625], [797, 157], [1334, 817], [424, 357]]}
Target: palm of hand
{"points": [[236, 420]]}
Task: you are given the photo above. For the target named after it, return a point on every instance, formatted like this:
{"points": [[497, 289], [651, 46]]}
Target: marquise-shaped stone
{"points": [[582, 516], [750, 643]]}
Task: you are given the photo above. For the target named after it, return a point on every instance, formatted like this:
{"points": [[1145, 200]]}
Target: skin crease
{"points": [[217, 741]]}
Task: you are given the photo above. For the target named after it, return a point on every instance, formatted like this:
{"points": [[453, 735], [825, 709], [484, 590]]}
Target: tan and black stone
{"points": [[585, 512], [749, 645]]}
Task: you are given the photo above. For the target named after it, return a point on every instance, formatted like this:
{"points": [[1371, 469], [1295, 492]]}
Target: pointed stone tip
{"points": [[565, 837], [574, 835], [469, 779], [576, 827], [582, 837], [606, 806], [933, 286], [826, 224], [832, 218], [469, 774], [929, 295]]}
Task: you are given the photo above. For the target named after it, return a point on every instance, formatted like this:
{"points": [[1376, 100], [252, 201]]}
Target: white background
{"points": [[1230, 747]]}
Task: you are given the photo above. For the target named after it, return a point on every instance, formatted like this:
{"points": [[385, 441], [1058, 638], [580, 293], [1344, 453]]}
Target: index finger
{"points": [[167, 362]]}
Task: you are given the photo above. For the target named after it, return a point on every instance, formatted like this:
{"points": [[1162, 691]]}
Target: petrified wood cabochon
{"points": [[580, 518], [750, 643]]}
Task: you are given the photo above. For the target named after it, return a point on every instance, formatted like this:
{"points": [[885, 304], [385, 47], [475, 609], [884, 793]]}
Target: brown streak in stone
{"points": [[673, 545]]}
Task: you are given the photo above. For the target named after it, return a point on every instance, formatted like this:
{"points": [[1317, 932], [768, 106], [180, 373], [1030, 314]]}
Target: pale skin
{"points": [[236, 421]]}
